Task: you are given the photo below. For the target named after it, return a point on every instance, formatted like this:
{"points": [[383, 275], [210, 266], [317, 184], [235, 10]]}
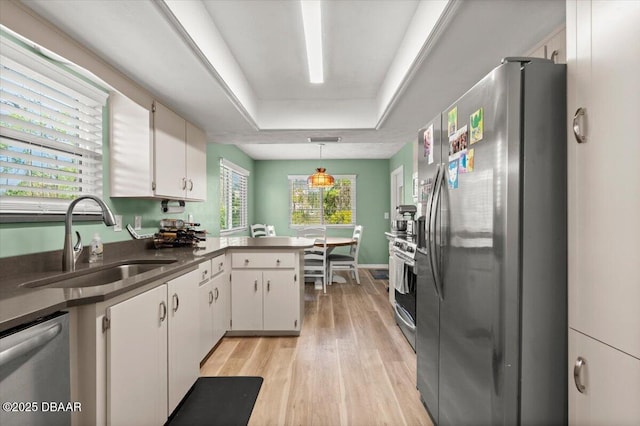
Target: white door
{"points": [[169, 153], [221, 306], [196, 163], [184, 332], [246, 300], [205, 301], [281, 300], [137, 360], [397, 189]]}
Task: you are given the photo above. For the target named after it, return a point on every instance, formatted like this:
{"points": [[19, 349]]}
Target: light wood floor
{"points": [[350, 365]]}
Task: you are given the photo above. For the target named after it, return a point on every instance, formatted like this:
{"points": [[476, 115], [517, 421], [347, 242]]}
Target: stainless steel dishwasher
{"points": [[34, 373]]}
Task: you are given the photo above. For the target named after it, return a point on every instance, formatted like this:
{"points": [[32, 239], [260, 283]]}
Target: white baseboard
{"points": [[374, 266]]}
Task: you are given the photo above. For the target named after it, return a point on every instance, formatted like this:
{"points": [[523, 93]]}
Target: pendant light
{"points": [[320, 179]]}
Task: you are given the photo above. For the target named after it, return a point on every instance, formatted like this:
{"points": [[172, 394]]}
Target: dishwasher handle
{"points": [[40, 339]]}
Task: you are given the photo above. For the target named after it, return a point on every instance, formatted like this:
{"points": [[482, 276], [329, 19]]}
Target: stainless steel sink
{"points": [[102, 275]]}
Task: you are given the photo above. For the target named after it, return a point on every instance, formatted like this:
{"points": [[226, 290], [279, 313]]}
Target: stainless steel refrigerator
{"points": [[492, 280]]}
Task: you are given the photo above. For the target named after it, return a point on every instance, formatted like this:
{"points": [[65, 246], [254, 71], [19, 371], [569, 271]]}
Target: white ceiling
{"points": [[238, 68]]}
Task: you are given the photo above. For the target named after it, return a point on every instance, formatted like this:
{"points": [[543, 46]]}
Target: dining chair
{"points": [[315, 258], [349, 261], [271, 231], [258, 230]]}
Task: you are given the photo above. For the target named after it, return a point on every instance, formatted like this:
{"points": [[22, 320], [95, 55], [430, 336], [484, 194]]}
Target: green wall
{"points": [[372, 199]]}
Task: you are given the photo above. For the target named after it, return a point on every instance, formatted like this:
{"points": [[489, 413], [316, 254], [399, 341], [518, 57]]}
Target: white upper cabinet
{"points": [[155, 153], [131, 148], [196, 163]]}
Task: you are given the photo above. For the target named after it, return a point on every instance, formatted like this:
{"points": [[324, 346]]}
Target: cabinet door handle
{"points": [[163, 311], [217, 294], [268, 285], [255, 285], [176, 302], [210, 297], [190, 185], [577, 118], [184, 183], [577, 369]]}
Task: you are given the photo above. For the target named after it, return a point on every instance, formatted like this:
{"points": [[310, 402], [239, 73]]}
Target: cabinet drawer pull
{"points": [[210, 297], [579, 116], [278, 262], [220, 266], [246, 261], [163, 311], [176, 302], [577, 369]]}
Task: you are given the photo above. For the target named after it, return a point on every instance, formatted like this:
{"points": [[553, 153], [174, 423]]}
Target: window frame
{"points": [[231, 169], [353, 180]]}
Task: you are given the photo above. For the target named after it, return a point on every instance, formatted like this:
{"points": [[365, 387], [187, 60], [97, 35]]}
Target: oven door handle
{"points": [[402, 316]]}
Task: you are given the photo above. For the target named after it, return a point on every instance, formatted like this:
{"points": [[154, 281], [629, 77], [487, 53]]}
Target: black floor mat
{"points": [[217, 401], [380, 274]]}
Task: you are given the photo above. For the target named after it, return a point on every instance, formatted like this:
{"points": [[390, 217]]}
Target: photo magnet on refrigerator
{"points": [[453, 174], [476, 124]]}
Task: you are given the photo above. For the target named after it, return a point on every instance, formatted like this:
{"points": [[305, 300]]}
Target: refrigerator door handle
{"points": [[429, 236], [433, 260]]}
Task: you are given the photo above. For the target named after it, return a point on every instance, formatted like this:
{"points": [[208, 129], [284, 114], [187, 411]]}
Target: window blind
{"points": [[51, 134], [233, 197], [322, 206]]}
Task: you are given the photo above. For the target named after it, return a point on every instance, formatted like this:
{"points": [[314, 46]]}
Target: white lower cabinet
{"points": [[152, 355], [221, 305], [598, 368], [184, 357], [137, 360], [265, 292], [214, 305]]}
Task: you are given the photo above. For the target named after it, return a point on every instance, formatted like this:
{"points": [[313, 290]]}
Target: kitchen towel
{"points": [[216, 401]]}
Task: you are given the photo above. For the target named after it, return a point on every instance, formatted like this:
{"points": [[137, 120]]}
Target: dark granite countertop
{"points": [[20, 302]]}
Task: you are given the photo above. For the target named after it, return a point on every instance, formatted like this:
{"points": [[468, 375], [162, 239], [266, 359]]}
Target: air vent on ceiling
{"points": [[324, 139]]}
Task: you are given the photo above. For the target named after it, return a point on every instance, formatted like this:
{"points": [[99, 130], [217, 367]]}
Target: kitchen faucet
{"points": [[70, 253]]}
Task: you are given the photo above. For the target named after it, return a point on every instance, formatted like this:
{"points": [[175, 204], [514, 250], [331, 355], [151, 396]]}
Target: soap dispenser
{"points": [[96, 249]]}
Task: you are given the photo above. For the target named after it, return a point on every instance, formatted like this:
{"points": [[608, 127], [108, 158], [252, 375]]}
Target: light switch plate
{"points": [[118, 226], [386, 215], [137, 223]]}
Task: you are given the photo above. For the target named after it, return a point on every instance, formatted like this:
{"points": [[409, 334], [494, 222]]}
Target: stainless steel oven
{"points": [[405, 290]]}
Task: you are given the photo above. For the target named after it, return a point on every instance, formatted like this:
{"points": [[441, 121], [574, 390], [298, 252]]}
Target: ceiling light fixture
{"points": [[312, 22], [320, 179]]}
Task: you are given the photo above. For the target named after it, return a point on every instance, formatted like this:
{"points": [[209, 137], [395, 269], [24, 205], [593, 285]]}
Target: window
{"points": [[322, 206], [233, 197], [50, 134]]}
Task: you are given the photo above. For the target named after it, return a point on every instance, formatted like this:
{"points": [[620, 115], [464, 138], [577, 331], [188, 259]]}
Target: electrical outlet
{"points": [[137, 223], [386, 215], [118, 226]]}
